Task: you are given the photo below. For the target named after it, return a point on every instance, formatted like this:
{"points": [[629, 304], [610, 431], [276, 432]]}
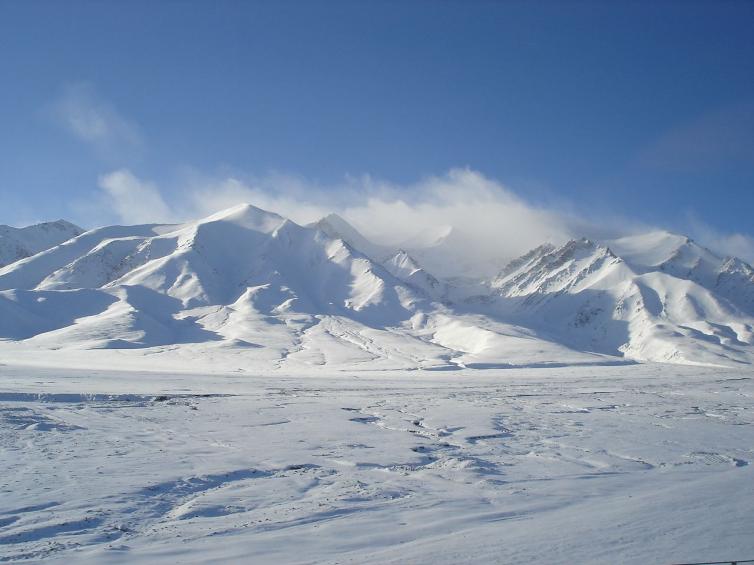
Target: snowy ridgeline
{"points": [[591, 465], [246, 289], [19, 243]]}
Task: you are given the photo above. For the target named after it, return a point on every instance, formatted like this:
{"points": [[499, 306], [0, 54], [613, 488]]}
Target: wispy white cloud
{"points": [[491, 223], [132, 200], [288, 195], [95, 121], [391, 212], [733, 244]]}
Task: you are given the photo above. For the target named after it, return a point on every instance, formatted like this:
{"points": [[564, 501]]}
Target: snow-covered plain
{"points": [[616, 464]]}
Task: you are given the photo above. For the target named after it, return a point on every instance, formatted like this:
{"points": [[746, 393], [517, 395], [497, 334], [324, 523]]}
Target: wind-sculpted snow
{"points": [[634, 465], [246, 289]]}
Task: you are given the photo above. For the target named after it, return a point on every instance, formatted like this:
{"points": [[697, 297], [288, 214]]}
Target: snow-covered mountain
{"points": [[18, 243], [399, 262], [656, 296], [336, 227], [246, 288], [213, 279]]}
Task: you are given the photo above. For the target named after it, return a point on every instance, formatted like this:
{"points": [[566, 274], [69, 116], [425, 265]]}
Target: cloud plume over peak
{"points": [[487, 219], [134, 201], [479, 220]]}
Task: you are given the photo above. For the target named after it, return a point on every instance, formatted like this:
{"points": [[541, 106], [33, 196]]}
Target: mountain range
{"points": [[246, 289]]}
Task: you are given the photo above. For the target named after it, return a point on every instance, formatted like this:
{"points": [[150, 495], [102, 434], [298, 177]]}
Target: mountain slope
{"points": [[682, 257], [665, 299], [19, 243], [237, 274], [398, 262], [336, 227]]}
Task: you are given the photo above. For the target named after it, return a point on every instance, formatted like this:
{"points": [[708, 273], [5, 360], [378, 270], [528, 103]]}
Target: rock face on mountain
{"points": [[250, 289], [19, 243]]}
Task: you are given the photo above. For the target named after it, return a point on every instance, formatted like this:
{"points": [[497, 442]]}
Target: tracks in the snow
{"points": [[438, 449]]}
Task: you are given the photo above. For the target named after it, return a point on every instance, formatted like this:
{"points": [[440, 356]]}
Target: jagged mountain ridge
{"points": [[671, 300], [253, 288], [399, 262], [241, 254]]}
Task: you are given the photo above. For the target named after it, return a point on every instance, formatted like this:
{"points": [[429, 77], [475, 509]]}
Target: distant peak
{"points": [[573, 249], [240, 212], [431, 237], [334, 218], [337, 223], [661, 247], [63, 223], [581, 243], [334, 226], [245, 216], [60, 225], [245, 208], [402, 256]]}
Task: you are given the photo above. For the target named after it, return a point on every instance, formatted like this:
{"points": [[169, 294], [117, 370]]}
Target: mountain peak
{"points": [[247, 216], [19, 243], [655, 248], [59, 225], [337, 227], [432, 237]]}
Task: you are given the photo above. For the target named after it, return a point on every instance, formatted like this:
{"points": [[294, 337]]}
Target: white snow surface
{"points": [[627, 464], [243, 389], [246, 288]]}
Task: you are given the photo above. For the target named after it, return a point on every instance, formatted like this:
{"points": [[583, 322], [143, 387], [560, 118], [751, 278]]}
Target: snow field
{"points": [[631, 464]]}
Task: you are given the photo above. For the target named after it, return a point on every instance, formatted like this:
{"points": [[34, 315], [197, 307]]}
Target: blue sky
{"points": [[640, 110]]}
